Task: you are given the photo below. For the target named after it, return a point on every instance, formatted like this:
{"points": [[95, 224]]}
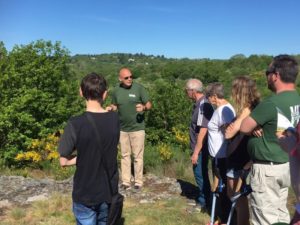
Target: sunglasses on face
{"points": [[270, 71], [129, 77]]}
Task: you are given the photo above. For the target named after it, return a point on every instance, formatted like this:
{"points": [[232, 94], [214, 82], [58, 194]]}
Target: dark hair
{"points": [[93, 87], [215, 89], [286, 66]]}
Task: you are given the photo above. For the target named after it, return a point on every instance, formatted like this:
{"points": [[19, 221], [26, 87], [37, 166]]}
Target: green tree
{"points": [[171, 108], [37, 95]]}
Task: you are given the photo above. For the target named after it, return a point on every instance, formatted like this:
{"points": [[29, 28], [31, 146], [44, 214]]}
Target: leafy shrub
{"points": [[40, 150], [37, 96]]}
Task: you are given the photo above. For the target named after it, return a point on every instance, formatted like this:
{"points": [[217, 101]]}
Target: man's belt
{"points": [[265, 162]]}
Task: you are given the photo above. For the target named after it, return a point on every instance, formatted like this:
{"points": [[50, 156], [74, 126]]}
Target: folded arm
{"points": [[248, 125]]}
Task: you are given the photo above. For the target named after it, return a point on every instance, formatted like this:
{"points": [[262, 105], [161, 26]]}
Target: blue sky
{"points": [[216, 29]]}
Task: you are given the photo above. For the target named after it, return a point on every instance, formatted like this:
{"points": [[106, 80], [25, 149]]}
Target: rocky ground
{"points": [[17, 190]]}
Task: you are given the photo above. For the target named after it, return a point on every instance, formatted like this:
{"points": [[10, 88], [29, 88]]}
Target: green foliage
{"points": [[171, 107], [168, 159], [39, 91], [37, 95], [151, 158]]}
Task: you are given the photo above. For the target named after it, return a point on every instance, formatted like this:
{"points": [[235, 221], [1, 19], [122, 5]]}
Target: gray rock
{"points": [[19, 190]]}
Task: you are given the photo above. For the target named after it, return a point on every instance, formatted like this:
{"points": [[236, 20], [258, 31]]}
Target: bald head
{"points": [[125, 77], [194, 84]]}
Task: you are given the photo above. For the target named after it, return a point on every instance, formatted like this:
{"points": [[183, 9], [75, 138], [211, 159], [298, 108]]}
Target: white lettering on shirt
{"points": [[295, 114]]}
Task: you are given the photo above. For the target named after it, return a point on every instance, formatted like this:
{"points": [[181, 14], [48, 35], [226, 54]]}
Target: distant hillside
{"points": [[147, 68]]}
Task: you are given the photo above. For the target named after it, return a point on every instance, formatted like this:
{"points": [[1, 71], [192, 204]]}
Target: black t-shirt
{"points": [[91, 185]]}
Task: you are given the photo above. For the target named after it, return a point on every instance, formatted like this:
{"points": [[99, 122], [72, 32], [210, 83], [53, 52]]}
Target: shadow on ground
{"points": [[188, 189]]}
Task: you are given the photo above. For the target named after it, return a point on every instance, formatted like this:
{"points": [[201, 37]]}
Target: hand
{"points": [[109, 108], [257, 132], [194, 158], [140, 107]]}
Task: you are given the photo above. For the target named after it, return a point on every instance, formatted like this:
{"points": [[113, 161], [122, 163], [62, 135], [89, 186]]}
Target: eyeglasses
{"points": [[129, 77]]}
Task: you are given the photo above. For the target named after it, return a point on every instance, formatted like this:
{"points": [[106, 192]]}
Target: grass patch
{"points": [[162, 212], [57, 211]]}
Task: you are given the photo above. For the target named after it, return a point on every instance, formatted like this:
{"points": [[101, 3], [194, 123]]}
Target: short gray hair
{"points": [[194, 84], [215, 89]]}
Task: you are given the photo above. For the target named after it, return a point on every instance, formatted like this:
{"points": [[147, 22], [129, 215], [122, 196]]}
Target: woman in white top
{"points": [[217, 145]]}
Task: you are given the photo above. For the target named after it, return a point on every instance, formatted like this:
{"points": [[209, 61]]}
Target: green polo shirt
{"points": [[285, 104], [126, 100]]}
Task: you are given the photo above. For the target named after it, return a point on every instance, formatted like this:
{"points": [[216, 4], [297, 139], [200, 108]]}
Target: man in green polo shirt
{"points": [[270, 176], [131, 100]]}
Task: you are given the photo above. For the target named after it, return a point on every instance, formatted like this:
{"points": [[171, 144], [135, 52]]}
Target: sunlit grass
{"points": [[162, 212], [57, 211]]}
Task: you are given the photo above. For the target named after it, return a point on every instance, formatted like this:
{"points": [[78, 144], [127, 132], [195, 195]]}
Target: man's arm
{"points": [[199, 144], [248, 125], [66, 146], [67, 161]]}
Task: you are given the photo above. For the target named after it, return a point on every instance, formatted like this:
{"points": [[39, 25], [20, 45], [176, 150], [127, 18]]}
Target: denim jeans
{"points": [[90, 215], [201, 177]]}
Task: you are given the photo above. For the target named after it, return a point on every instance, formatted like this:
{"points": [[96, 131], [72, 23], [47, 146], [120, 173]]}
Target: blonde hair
{"points": [[244, 93]]}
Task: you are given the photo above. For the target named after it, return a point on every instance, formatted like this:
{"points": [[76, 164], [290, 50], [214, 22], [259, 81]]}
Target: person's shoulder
{"points": [[269, 100], [205, 105], [228, 108], [138, 85], [116, 87], [77, 119], [113, 114]]}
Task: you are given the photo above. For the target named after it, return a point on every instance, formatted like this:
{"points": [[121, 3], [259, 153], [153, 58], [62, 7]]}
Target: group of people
{"points": [[246, 132]]}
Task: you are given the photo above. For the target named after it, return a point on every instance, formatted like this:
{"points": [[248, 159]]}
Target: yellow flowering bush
{"points": [[181, 136], [44, 149], [29, 156], [165, 152]]}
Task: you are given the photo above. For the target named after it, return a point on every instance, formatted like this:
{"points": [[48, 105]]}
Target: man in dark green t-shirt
{"points": [[131, 100], [270, 176]]}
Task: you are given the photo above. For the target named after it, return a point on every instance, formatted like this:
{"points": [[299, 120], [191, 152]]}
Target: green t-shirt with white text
{"points": [[126, 100], [282, 105]]}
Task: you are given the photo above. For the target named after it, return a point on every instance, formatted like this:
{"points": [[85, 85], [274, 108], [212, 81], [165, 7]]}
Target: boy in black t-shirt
{"points": [[91, 193]]}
